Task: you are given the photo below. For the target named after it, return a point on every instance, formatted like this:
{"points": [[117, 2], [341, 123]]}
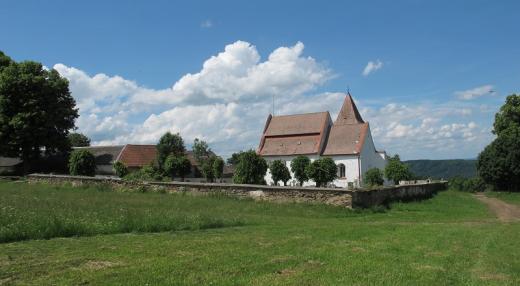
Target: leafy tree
{"points": [[373, 177], [121, 169], [78, 140], [279, 172], [177, 165], [36, 111], [201, 150], [82, 162], [218, 167], [508, 116], [322, 171], [298, 167], [499, 163], [207, 169], [397, 171], [233, 160], [251, 169], [169, 144]]}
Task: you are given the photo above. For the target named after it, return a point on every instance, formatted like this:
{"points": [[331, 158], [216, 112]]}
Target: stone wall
{"points": [[330, 196]]}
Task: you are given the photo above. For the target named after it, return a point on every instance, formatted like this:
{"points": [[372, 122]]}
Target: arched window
{"points": [[341, 170]]}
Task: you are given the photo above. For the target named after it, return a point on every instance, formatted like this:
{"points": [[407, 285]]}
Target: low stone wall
{"points": [[337, 197]]}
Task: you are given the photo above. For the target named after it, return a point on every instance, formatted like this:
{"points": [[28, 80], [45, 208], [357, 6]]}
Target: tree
{"points": [[177, 165], [78, 140], [36, 111], [279, 172], [207, 169], [121, 169], [298, 167], [169, 144], [201, 150], [373, 177], [322, 171], [251, 169], [82, 162], [397, 171], [499, 163], [4, 60], [233, 160], [218, 167], [508, 116]]}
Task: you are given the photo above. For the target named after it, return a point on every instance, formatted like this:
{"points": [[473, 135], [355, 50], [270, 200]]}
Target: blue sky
{"points": [[440, 69]]}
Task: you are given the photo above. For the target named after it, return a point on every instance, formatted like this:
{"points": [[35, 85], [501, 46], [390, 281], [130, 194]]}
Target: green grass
{"points": [[451, 239], [512, 198]]}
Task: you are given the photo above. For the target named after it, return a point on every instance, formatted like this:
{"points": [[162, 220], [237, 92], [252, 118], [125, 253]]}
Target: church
{"points": [[347, 140]]}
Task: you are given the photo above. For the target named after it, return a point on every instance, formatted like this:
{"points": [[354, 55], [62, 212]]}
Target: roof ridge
{"points": [[307, 113]]}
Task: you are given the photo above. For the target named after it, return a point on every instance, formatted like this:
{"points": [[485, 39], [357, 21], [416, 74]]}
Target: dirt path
{"points": [[505, 212]]}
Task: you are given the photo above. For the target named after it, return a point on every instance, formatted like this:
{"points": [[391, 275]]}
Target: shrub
{"points": [[146, 173], [207, 169], [218, 167], [121, 169], [322, 171], [82, 162], [299, 166], [251, 169], [397, 171], [373, 177], [279, 172], [470, 185]]}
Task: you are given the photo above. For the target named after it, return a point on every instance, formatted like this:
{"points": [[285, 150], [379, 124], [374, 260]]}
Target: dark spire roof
{"points": [[349, 113]]}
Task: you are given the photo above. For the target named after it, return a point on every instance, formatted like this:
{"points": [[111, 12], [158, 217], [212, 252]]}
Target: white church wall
{"points": [[287, 159], [351, 170], [351, 163], [369, 157]]}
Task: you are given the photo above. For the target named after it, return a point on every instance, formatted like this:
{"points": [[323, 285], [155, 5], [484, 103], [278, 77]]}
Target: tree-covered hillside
{"points": [[443, 169]]}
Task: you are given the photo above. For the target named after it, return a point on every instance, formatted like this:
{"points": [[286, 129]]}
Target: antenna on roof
{"points": [[273, 104], [348, 89]]}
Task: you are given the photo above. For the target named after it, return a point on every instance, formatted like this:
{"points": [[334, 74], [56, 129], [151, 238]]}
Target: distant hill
{"points": [[445, 169]]}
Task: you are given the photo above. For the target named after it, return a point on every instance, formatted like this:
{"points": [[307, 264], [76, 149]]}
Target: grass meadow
{"points": [[63, 235]]}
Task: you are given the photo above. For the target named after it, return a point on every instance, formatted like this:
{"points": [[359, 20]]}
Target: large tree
{"points": [[251, 169], [36, 110], [499, 163], [78, 140], [397, 171], [169, 144], [299, 166]]}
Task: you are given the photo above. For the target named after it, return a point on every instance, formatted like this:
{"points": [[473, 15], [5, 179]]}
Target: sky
{"points": [[427, 75]]}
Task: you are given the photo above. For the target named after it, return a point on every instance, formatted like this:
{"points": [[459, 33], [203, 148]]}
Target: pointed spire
{"points": [[349, 113]]}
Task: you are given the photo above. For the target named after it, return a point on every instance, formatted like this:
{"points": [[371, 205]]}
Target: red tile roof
{"points": [[141, 155], [346, 139], [294, 134], [138, 155]]}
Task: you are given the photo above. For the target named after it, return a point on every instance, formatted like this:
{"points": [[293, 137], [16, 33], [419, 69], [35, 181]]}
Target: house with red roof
{"points": [[347, 140]]}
